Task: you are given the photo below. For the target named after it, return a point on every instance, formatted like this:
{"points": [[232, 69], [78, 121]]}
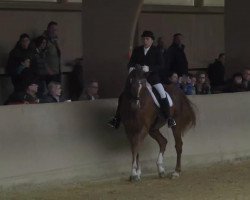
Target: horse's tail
{"points": [[185, 112]]}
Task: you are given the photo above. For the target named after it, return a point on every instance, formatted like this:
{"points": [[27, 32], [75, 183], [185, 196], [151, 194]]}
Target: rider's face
{"points": [[147, 41]]}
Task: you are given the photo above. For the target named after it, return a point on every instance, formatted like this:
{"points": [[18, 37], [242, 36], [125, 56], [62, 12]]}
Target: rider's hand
{"points": [[130, 69], [145, 68]]}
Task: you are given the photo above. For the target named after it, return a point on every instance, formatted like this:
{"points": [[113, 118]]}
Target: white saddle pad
{"points": [[170, 101]]}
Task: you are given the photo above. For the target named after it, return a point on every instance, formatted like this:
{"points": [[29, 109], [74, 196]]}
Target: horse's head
{"points": [[136, 83]]}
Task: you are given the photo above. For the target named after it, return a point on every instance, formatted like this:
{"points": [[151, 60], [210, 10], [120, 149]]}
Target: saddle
{"points": [[156, 97]]}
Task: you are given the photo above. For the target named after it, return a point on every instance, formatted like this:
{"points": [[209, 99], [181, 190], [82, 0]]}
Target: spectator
{"points": [[76, 83], [53, 53], [27, 95], [20, 51], [175, 58], [23, 73], [216, 73], [191, 85], [24, 65], [161, 45], [246, 79], [236, 84], [203, 86], [91, 91], [54, 94], [40, 64], [174, 78], [186, 85]]}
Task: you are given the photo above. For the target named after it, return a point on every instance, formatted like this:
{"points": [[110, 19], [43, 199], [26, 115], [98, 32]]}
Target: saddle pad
{"points": [[170, 101]]}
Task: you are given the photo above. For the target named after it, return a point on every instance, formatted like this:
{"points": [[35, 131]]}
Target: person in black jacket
{"points": [[216, 74], [20, 51], [175, 58], [150, 58]]}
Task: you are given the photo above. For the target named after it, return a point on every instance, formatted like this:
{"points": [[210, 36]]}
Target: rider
{"points": [[151, 59]]}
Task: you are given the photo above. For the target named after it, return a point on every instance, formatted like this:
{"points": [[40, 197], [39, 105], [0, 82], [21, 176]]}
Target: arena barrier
{"points": [[40, 143]]}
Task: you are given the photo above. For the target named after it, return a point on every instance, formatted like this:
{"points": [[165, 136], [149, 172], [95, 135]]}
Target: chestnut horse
{"points": [[141, 116]]}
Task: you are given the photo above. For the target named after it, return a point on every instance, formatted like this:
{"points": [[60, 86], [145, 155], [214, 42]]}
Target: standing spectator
{"points": [[40, 64], [246, 79], [53, 53], [161, 45], [216, 74], [20, 51], [54, 94], [175, 58], [203, 86], [91, 91]]}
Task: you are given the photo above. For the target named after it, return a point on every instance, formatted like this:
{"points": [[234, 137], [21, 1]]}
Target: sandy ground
{"points": [[229, 181]]}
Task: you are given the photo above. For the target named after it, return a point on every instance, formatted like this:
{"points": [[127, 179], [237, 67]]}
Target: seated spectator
{"points": [[187, 86], [91, 91], [25, 96], [246, 79], [202, 86], [216, 74], [54, 94], [21, 50], [236, 84], [191, 85]]}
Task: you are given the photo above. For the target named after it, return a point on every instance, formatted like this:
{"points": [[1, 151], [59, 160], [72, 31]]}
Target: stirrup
{"points": [[114, 123], [171, 122]]}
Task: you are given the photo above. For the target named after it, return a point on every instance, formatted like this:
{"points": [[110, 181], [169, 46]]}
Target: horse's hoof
{"points": [[174, 175], [134, 179], [162, 174]]}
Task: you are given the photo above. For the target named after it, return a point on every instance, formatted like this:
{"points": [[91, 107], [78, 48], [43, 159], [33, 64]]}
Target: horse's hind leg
{"points": [[178, 147], [162, 141]]}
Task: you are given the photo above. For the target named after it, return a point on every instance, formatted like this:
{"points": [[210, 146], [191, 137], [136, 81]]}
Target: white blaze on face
{"points": [[138, 95]]}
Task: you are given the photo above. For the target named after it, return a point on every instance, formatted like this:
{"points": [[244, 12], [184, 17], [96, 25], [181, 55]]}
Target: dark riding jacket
{"points": [[153, 59]]}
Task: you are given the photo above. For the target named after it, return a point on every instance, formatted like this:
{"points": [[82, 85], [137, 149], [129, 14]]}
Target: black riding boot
{"points": [[115, 122], [166, 112]]}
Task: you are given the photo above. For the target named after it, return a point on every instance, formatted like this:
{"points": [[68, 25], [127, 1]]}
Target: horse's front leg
{"points": [[136, 140], [162, 141]]}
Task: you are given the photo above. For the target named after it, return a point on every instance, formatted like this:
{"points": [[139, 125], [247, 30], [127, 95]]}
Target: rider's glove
{"points": [[145, 68], [130, 69]]}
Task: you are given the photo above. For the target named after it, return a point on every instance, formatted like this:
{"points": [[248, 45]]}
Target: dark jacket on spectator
{"points": [[175, 60], [235, 88], [53, 54], [247, 85], [50, 99], [15, 57], [39, 64], [216, 73], [21, 97]]}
